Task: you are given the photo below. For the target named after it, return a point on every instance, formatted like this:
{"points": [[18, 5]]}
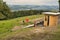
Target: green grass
{"points": [[11, 34], [7, 25], [56, 35], [18, 34]]}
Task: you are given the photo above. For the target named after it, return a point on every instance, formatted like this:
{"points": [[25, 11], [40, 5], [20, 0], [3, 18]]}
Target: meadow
{"points": [[26, 34], [7, 25]]}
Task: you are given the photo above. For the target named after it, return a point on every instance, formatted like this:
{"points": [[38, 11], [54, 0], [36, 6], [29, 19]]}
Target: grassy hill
{"points": [[34, 33], [7, 25]]}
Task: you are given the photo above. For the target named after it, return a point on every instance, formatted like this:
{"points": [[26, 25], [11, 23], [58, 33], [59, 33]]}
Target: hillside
{"points": [[33, 7], [7, 25], [33, 33]]}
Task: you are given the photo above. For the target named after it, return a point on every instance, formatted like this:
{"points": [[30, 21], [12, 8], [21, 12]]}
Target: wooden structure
{"points": [[38, 22], [50, 19]]}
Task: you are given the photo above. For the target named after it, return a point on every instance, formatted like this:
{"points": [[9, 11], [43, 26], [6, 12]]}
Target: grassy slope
{"points": [[23, 34], [56, 35], [6, 25]]}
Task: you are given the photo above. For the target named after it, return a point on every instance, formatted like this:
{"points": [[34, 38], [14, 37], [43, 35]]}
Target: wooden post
{"points": [[34, 23]]}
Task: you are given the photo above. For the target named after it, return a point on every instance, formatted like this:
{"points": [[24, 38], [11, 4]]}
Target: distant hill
{"points": [[33, 7]]}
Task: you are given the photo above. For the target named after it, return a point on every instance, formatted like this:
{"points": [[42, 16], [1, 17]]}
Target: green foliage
{"points": [[5, 10], [26, 13]]}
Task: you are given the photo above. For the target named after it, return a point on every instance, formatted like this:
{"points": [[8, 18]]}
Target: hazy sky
{"points": [[32, 2]]}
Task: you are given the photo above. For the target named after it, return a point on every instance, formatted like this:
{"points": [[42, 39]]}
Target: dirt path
{"points": [[37, 33]]}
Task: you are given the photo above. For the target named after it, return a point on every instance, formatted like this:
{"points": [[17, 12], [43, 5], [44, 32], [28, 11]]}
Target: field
{"points": [[34, 33], [7, 25]]}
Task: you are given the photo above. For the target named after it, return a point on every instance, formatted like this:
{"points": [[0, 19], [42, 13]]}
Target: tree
{"points": [[5, 10], [59, 5]]}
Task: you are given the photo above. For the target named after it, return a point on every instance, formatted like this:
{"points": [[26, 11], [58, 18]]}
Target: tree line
{"points": [[26, 13]]}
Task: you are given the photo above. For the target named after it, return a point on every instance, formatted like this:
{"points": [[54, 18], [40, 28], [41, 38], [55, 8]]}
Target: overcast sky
{"points": [[32, 2]]}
